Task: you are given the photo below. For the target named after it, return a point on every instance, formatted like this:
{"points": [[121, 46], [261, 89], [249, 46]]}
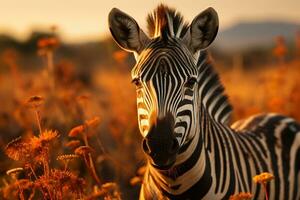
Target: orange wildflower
{"points": [[263, 178], [73, 143], [49, 43], [35, 101], [76, 131], [17, 149], [93, 122], [47, 136], [83, 150], [67, 157], [241, 196]]}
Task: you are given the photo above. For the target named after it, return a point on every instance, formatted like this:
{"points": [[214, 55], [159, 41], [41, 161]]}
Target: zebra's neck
{"points": [[192, 166], [211, 91]]}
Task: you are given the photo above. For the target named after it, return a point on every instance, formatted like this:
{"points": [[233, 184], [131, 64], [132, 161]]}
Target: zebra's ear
{"points": [[126, 31], [203, 30]]}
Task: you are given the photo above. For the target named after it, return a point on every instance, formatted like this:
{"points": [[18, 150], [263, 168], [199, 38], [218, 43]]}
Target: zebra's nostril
{"points": [[174, 146], [162, 147]]}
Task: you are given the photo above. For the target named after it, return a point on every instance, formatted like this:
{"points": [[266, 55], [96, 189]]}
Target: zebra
{"points": [[184, 116]]}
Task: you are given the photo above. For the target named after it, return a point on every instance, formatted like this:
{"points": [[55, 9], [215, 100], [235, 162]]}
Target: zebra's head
{"points": [[165, 76]]}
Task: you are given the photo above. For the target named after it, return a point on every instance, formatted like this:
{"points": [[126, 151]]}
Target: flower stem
{"points": [[21, 195], [93, 170], [266, 192], [32, 171], [50, 70], [90, 161], [38, 119]]}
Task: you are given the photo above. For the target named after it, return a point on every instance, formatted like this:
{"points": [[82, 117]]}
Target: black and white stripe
{"points": [[174, 78]]}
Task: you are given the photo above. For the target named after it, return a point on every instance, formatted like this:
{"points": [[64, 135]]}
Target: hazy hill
{"points": [[245, 38], [255, 34]]}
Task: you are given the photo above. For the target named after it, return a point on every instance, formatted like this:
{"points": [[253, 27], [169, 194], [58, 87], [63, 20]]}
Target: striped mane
{"points": [[165, 21], [212, 91]]}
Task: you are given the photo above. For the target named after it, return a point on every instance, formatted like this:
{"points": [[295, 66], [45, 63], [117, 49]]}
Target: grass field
{"points": [[62, 138]]}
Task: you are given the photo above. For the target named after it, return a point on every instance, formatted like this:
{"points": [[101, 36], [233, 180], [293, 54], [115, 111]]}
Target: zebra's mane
{"points": [[212, 91], [165, 21]]}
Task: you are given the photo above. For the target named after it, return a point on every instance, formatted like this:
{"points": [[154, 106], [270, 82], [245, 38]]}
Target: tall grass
{"points": [[63, 138]]}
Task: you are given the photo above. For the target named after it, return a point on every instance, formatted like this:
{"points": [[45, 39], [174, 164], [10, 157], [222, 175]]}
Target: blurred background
{"points": [[62, 52]]}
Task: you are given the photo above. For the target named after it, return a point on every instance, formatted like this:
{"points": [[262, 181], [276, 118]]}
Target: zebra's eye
{"points": [[191, 82], [137, 82]]}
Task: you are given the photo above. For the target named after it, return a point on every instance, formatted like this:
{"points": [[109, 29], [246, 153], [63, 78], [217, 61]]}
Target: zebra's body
{"points": [[231, 157], [183, 116]]}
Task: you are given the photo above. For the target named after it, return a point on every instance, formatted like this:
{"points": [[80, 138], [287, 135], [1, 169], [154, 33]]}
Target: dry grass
{"points": [[69, 140], [274, 88], [40, 178]]}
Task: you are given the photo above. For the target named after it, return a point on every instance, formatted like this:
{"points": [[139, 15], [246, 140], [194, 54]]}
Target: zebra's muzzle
{"points": [[162, 155], [161, 144]]}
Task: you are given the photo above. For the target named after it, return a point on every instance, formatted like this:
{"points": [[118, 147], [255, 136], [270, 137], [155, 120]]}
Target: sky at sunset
{"points": [[80, 20]]}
